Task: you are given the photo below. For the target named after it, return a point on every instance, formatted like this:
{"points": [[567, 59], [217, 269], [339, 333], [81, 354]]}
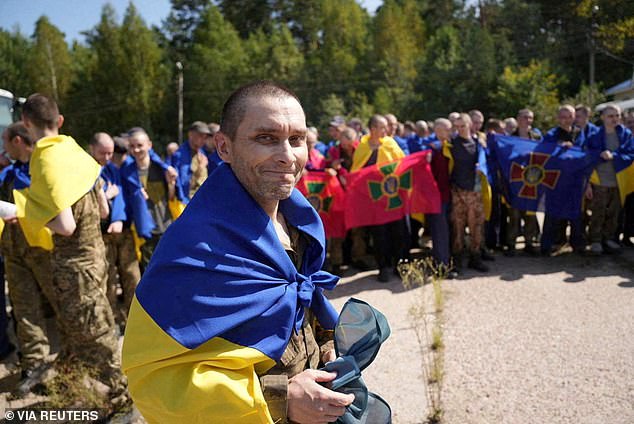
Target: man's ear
{"points": [[60, 121], [223, 146]]}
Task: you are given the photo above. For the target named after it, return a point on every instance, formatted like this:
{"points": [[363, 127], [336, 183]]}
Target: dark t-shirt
{"points": [[465, 156]]}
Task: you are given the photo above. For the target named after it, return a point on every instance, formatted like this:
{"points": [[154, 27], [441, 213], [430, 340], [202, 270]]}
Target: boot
{"points": [[475, 262]]}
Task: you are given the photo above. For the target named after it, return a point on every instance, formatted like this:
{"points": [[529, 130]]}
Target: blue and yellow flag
{"points": [[217, 305], [622, 160], [542, 176], [61, 173]]}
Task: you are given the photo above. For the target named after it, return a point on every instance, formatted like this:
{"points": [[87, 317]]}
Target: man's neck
{"points": [[524, 132], [143, 163], [567, 129], [374, 141], [610, 129], [45, 132]]}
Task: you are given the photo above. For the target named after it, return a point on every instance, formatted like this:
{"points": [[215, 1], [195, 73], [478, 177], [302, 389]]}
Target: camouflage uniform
{"points": [[79, 279], [28, 275], [122, 263], [303, 351]]}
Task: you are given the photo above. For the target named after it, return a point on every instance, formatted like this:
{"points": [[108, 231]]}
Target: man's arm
{"points": [[64, 223]]}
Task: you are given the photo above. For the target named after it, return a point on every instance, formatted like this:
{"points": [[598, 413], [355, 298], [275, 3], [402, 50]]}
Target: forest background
{"points": [[419, 59]]}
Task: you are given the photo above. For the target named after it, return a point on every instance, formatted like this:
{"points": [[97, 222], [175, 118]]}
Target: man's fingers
{"points": [[323, 376], [341, 400]]}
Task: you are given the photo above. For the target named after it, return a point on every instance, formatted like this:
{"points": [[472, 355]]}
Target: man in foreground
{"points": [[223, 325]]}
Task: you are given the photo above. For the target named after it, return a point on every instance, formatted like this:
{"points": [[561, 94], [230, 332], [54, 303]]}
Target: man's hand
{"points": [[589, 192], [112, 191], [566, 144], [331, 172], [310, 402], [202, 160], [12, 220], [172, 172], [607, 155], [328, 356], [115, 227]]}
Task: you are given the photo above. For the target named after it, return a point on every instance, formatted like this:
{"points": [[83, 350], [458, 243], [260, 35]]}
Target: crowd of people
{"points": [[80, 257]]}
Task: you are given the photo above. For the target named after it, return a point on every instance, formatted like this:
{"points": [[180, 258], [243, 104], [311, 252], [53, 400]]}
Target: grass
{"points": [[426, 315]]}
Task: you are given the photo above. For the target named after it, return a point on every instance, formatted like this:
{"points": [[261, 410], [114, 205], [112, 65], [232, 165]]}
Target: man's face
{"points": [[525, 120], [392, 125], [581, 118], [268, 152], [139, 146], [565, 118], [196, 139], [333, 132], [476, 123], [442, 131], [380, 129], [463, 128], [610, 117], [102, 152]]}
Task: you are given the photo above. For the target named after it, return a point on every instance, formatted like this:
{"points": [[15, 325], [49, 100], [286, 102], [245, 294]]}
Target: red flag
{"points": [[384, 193], [325, 193]]}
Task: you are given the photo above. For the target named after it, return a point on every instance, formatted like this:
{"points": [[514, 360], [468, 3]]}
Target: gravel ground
{"points": [[525, 343], [541, 340]]}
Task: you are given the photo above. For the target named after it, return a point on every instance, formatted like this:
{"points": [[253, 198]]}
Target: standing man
{"points": [[392, 131], [64, 197], [524, 130], [610, 140], [582, 121], [123, 267], [221, 329], [27, 269], [565, 135], [391, 241], [148, 189], [191, 161]]}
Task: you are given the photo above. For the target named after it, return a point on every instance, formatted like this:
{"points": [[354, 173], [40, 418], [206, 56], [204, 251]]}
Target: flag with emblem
{"points": [[387, 192], [324, 192], [539, 176]]}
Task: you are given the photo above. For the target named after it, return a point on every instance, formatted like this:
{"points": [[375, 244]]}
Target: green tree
{"points": [[534, 87], [49, 63], [247, 16], [180, 24], [399, 42], [14, 51], [273, 56], [215, 67]]}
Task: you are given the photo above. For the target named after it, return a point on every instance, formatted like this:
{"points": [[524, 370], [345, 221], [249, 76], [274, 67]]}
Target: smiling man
{"points": [[230, 322]]}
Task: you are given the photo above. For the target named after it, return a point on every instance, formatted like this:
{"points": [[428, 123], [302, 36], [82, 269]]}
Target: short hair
{"points": [[235, 107], [41, 110], [135, 131], [584, 108], [97, 137], [476, 112], [349, 133], [466, 118], [120, 145], [611, 106], [442, 121], [19, 129], [494, 125], [214, 127], [409, 125], [374, 119], [567, 107], [524, 111], [422, 124]]}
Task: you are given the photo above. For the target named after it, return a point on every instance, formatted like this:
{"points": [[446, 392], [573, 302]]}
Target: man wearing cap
{"points": [[190, 160]]}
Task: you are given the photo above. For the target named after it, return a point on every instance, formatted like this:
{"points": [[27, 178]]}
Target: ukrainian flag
{"points": [[61, 173], [217, 305], [622, 159]]}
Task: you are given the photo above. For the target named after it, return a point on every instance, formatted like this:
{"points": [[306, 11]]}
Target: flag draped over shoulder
{"points": [[218, 303], [542, 176], [325, 194], [61, 173], [384, 193]]}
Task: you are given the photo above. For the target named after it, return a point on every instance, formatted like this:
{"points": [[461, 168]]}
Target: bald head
{"points": [[101, 147]]}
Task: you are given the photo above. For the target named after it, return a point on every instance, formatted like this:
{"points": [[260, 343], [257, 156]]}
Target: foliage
{"points": [[534, 87], [418, 59]]}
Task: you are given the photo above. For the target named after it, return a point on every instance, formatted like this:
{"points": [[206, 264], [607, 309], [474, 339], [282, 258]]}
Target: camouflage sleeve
{"points": [[275, 389]]}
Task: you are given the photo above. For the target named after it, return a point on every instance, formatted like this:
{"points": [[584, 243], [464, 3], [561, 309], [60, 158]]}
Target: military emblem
{"points": [[390, 186], [533, 175], [317, 198]]}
